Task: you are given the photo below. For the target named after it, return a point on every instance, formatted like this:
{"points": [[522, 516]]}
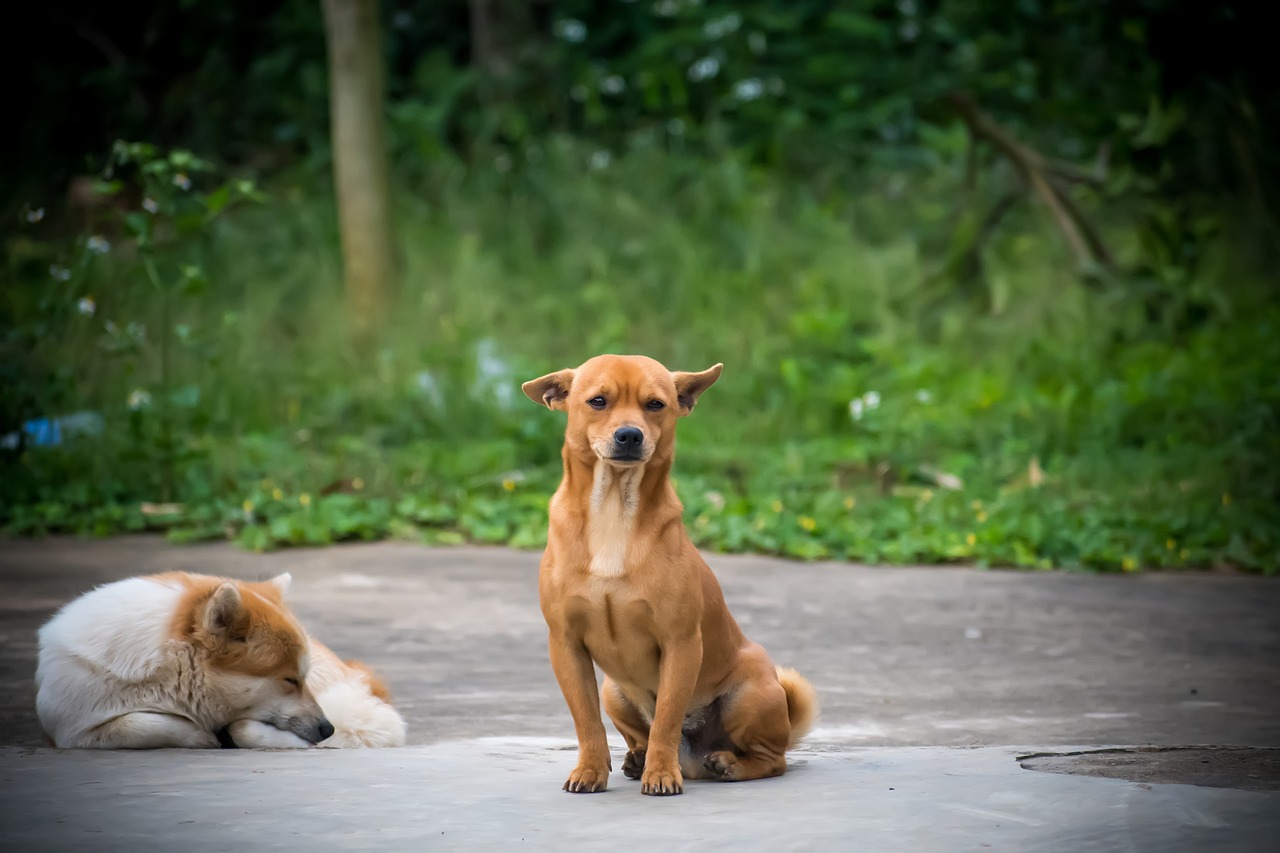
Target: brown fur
{"points": [[377, 686], [261, 639], [622, 586]]}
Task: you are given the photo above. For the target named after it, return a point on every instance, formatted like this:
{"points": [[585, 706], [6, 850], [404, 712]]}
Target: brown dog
{"points": [[622, 585]]}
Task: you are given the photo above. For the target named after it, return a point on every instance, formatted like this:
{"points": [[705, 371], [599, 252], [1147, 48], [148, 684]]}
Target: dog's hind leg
{"points": [[758, 729], [631, 723], [147, 730]]}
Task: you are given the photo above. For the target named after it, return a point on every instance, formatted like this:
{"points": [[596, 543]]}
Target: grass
{"points": [[1029, 419]]}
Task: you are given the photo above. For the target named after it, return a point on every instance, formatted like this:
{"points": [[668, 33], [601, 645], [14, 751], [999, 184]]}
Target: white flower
{"points": [[600, 159], [578, 92], [86, 306], [35, 215], [720, 27], [139, 398], [59, 273], [612, 85], [150, 205], [704, 69], [923, 396], [571, 30], [97, 244], [181, 181], [859, 406], [748, 90]]}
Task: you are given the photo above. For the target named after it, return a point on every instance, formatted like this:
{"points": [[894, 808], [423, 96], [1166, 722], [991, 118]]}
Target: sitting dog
{"points": [[176, 659], [621, 585]]}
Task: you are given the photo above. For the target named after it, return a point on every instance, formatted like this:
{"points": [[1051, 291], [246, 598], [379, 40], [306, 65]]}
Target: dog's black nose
{"points": [[630, 438], [325, 730]]}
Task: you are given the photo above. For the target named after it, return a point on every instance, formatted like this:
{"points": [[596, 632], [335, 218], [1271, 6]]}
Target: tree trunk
{"points": [[357, 124]]}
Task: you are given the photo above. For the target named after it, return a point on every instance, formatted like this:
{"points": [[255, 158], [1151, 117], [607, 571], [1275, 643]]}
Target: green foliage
{"points": [[1048, 423]]}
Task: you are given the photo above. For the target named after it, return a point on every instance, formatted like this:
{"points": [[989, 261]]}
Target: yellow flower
{"points": [[277, 494], [1129, 564], [508, 484], [357, 484], [247, 506], [1170, 544], [1226, 499], [1184, 553], [850, 502], [926, 495], [304, 499], [808, 523], [971, 539], [982, 516], [776, 506], [976, 505], [759, 523]]}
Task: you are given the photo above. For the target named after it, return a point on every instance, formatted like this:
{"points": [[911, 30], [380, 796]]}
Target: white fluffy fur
{"points": [[359, 718]]}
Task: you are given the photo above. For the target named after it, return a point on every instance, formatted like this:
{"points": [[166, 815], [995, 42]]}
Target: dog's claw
{"points": [[658, 783], [633, 764], [587, 780], [723, 765]]}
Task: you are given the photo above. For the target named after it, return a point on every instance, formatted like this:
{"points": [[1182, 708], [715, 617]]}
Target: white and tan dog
{"points": [[171, 660]]}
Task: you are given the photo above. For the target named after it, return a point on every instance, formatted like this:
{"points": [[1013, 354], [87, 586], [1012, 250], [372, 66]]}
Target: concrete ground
{"points": [[940, 686]]}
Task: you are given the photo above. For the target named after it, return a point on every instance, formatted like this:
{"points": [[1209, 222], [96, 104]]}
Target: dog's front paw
{"points": [[587, 780], [633, 764], [662, 781], [722, 765]]}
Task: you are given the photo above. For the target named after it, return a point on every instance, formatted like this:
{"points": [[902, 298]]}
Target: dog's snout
{"points": [[629, 437], [311, 729]]}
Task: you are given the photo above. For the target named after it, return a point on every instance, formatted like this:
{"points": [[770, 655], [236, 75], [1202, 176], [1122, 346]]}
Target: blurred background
{"points": [[992, 282]]}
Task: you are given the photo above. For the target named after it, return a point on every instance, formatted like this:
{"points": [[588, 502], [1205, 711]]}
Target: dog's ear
{"points": [[689, 386], [281, 582], [551, 390], [224, 613]]}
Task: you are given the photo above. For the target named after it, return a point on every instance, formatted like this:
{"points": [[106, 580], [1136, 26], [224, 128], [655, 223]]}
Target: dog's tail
{"points": [[802, 702]]}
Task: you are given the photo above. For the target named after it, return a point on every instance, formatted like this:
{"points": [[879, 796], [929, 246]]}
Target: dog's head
{"points": [[622, 408], [257, 656]]}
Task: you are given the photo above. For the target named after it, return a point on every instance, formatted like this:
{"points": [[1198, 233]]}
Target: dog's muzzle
{"points": [[628, 445], [311, 730]]}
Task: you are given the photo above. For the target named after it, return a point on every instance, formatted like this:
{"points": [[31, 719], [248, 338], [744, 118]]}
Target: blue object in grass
{"points": [[50, 432]]}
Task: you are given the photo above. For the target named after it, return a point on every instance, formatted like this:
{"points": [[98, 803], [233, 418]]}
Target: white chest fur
{"points": [[615, 494]]}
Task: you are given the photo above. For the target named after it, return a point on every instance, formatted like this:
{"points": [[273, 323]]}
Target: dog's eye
{"points": [[655, 405], [292, 682], [596, 402]]}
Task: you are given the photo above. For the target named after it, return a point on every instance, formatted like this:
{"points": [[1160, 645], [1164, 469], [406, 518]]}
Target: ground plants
{"points": [[868, 411]]}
